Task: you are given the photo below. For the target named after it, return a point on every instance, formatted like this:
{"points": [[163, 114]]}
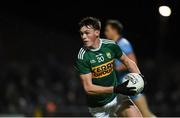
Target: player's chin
{"points": [[87, 45]]}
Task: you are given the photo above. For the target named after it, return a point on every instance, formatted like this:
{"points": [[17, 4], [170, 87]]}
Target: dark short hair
{"points": [[115, 25], [90, 21]]}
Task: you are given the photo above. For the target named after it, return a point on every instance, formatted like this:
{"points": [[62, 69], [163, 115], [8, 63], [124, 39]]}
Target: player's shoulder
{"points": [[108, 41], [82, 53], [123, 41]]}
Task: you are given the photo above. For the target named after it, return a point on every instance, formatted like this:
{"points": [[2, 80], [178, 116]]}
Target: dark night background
{"points": [[39, 41]]}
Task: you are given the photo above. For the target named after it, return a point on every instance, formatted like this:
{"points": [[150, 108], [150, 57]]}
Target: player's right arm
{"points": [[83, 68], [93, 89]]}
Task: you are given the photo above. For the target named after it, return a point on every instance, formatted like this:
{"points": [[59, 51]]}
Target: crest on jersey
{"points": [[108, 54]]}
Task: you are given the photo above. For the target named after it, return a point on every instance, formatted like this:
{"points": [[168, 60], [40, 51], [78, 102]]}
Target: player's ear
{"points": [[97, 32]]}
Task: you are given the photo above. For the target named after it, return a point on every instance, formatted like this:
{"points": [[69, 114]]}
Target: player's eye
{"points": [[87, 32]]}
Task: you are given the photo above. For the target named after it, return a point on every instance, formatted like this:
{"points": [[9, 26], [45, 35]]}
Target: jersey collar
{"points": [[100, 44]]}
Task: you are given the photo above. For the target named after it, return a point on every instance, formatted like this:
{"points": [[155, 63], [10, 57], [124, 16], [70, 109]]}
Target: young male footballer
{"points": [[105, 98], [113, 31]]}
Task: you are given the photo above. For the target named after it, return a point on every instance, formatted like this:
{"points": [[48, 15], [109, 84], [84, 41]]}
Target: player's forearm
{"points": [[95, 89], [122, 67], [131, 66]]}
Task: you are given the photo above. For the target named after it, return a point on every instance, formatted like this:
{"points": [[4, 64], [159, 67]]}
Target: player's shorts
{"points": [[110, 109], [120, 77]]}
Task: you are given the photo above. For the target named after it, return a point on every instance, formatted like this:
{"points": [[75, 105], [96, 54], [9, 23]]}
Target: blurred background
{"points": [[39, 42]]}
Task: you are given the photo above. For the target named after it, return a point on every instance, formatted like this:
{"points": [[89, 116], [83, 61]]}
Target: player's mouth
{"points": [[85, 42]]}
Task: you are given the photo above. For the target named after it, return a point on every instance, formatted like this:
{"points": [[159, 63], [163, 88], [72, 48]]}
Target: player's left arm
{"points": [[127, 48], [122, 67], [130, 65]]}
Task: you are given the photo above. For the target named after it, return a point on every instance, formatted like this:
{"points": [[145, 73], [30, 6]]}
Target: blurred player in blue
{"points": [[113, 31]]}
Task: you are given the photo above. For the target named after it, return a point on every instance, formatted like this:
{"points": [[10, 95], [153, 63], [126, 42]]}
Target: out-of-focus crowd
{"points": [[38, 88], [54, 89]]}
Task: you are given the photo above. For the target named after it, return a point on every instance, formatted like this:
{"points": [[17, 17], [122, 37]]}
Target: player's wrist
{"points": [[115, 89]]}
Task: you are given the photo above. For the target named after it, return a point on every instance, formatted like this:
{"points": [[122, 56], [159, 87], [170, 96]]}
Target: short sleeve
{"points": [[117, 51], [126, 47], [82, 67], [117, 62]]}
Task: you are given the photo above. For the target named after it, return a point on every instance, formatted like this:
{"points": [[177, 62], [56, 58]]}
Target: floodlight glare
{"points": [[165, 11]]}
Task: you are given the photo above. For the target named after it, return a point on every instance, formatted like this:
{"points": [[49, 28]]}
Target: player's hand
{"points": [[123, 89]]}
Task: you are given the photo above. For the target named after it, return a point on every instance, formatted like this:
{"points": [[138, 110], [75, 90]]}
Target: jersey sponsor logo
{"points": [[108, 54], [103, 70], [100, 58]]}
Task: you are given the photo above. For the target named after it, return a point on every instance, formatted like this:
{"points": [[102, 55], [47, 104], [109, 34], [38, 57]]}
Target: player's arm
{"points": [[130, 64], [91, 88], [126, 47], [83, 68], [122, 67]]}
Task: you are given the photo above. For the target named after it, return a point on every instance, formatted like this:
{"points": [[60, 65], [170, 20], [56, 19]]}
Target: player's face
{"points": [[89, 35], [109, 32]]}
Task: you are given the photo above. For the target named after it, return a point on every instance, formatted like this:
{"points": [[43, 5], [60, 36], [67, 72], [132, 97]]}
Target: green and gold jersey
{"points": [[100, 63]]}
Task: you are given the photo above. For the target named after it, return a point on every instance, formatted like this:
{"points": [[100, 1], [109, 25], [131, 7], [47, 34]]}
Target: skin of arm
{"points": [[122, 67], [93, 89], [130, 65]]}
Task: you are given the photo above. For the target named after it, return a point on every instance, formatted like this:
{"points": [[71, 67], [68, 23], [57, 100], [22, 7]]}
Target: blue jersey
{"points": [[125, 46]]}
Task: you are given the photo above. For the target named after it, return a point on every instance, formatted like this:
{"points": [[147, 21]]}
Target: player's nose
{"points": [[84, 37]]}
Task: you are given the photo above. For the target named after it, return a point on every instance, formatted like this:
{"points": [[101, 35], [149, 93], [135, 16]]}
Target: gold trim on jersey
{"points": [[102, 70]]}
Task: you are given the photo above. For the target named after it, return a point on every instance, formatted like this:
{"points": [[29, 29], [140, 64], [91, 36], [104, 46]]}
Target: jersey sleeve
{"points": [[82, 67], [117, 51], [117, 62], [126, 47]]}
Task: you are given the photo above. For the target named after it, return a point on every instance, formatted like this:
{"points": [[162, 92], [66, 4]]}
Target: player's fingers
{"points": [[125, 83], [131, 88]]}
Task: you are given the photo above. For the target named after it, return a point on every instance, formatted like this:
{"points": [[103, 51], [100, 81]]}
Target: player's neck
{"points": [[96, 43], [116, 37]]}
